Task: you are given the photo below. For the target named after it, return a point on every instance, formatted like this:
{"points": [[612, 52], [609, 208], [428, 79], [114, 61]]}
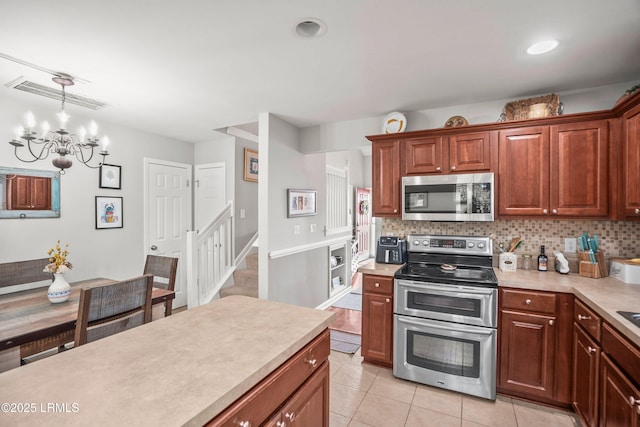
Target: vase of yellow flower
{"points": [[59, 290]]}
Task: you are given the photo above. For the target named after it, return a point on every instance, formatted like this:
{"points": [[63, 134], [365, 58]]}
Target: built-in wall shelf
{"points": [[338, 271]]}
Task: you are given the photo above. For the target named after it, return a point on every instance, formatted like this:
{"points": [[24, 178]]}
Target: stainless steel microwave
{"points": [[455, 197]]}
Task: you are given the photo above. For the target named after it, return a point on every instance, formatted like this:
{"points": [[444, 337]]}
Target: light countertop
{"points": [[379, 269], [180, 370]]}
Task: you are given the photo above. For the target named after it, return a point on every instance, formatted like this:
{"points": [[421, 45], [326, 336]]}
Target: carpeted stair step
{"points": [[252, 262]]}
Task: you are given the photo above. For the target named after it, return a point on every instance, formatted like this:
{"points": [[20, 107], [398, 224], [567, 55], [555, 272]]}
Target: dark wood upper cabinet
{"points": [[386, 179], [523, 171], [579, 172], [425, 155], [470, 152], [631, 164]]}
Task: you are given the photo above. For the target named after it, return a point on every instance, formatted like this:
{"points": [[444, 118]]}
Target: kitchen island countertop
{"points": [[181, 370]]}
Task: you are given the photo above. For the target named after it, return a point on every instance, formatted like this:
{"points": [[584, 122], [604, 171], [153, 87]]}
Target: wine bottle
{"points": [[542, 260]]}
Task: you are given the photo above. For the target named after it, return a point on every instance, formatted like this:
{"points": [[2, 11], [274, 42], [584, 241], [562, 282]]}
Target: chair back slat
{"points": [[113, 308], [21, 272], [162, 268]]}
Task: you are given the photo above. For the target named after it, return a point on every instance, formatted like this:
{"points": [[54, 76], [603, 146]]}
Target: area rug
{"points": [[344, 342], [350, 301]]}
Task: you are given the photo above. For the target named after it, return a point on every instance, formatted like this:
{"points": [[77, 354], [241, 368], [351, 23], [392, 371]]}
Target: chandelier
{"points": [[60, 142]]}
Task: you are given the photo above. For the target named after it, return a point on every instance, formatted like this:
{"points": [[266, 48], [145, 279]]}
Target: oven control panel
{"points": [[469, 245]]}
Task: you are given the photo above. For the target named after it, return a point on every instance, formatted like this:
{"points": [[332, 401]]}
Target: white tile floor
{"points": [[364, 395]]}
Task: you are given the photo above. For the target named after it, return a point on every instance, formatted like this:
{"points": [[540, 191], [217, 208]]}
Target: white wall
{"points": [[302, 278], [113, 253], [246, 197]]}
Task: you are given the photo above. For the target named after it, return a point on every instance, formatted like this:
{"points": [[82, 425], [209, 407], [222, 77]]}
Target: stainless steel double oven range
{"points": [[446, 314]]}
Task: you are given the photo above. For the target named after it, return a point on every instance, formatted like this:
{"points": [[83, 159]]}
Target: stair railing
{"points": [[210, 259]]}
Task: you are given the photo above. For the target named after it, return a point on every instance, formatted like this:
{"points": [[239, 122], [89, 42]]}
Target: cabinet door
{"points": [[377, 324], [616, 408], [386, 179], [523, 170], [309, 406], [579, 170], [527, 354], [586, 359], [470, 152], [631, 163], [425, 156]]}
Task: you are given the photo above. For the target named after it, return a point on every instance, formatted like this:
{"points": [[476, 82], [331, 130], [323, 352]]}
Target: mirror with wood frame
{"points": [[29, 193]]}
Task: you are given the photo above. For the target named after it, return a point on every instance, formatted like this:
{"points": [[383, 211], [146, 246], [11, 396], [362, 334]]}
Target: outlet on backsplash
{"points": [[570, 244]]}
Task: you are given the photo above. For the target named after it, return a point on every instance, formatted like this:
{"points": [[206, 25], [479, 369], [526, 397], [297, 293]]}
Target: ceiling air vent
{"points": [[49, 92]]}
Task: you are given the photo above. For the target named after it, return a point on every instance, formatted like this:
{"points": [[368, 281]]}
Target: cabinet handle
{"points": [[438, 168], [551, 322], [313, 362], [633, 401], [580, 317], [388, 300], [244, 423], [545, 211], [637, 211], [554, 211], [290, 415], [377, 285], [453, 168], [527, 301], [395, 211], [591, 349], [281, 424]]}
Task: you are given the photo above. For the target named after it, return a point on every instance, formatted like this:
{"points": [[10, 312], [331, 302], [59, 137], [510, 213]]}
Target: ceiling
{"points": [[182, 68]]}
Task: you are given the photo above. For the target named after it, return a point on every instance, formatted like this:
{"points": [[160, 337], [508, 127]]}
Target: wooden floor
{"points": [[349, 321]]}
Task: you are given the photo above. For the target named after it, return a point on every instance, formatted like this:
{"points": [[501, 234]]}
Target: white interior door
{"points": [[168, 216], [210, 193]]}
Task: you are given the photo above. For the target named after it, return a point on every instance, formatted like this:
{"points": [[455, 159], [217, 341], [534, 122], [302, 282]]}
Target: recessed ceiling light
{"points": [[311, 27], [542, 47]]}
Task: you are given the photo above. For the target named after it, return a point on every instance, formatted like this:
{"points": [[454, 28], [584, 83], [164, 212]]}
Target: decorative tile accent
{"points": [[617, 238]]}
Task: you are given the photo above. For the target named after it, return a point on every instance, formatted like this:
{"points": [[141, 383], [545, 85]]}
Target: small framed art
{"points": [[108, 212], [250, 165], [110, 176], [301, 203]]}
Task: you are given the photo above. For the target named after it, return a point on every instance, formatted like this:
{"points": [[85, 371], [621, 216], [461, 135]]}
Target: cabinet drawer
{"points": [[266, 397], [537, 302], [590, 321], [624, 353], [377, 284]]}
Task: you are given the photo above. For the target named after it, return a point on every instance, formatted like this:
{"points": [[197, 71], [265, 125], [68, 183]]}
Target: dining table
{"points": [[30, 322]]}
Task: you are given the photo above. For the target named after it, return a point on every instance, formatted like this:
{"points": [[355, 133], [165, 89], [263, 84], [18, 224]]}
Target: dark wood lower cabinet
{"points": [[620, 399], [535, 346], [377, 319], [309, 406], [586, 362]]}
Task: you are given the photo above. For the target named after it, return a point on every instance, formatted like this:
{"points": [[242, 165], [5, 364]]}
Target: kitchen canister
{"points": [[508, 261]]}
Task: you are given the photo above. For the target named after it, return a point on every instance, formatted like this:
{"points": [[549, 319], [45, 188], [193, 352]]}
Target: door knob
{"points": [[154, 248]]}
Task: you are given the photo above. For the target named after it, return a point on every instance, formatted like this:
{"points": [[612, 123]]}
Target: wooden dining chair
{"points": [[164, 270], [113, 308]]}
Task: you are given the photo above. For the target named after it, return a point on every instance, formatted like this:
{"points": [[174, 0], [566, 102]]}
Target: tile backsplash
{"points": [[617, 238]]}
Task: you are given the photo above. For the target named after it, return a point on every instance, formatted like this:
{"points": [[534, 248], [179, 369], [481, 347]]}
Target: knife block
{"points": [[587, 269]]}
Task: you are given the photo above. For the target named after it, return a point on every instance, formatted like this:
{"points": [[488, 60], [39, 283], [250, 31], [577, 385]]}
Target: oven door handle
{"points": [[422, 286], [457, 328]]}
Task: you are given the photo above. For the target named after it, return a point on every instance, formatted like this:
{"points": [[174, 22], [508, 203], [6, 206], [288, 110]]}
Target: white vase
{"points": [[59, 290]]}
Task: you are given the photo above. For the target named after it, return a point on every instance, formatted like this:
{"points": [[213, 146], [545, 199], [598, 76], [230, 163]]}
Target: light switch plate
{"points": [[570, 245]]}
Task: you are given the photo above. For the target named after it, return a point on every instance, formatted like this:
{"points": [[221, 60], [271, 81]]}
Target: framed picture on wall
{"points": [[108, 212], [250, 165], [301, 203], [110, 176]]}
